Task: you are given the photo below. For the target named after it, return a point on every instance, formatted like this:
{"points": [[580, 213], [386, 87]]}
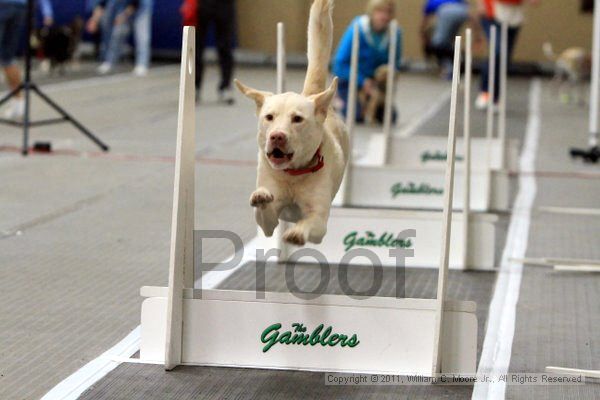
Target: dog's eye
{"points": [[269, 117], [296, 119]]}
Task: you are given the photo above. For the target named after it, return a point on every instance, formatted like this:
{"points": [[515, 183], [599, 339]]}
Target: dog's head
{"points": [[290, 126]]}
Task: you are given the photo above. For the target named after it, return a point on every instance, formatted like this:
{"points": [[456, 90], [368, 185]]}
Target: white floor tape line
{"points": [[497, 345], [77, 383], [72, 387]]}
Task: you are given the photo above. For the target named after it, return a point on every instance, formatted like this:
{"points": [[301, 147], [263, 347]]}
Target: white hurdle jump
{"points": [[183, 326], [408, 172], [375, 228]]}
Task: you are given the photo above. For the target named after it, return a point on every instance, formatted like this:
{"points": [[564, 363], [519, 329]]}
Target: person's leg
{"points": [[119, 35], [449, 19], [143, 35], [13, 77], [4, 16], [12, 23], [106, 28], [486, 24], [225, 32], [341, 102], [117, 42], [513, 34], [204, 19]]}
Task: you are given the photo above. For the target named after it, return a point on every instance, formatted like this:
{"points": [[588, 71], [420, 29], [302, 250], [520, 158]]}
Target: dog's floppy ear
{"points": [[323, 100], [257, 95]]}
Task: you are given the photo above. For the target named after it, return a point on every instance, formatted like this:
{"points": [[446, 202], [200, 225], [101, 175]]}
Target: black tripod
{"points": [[28, 86]]}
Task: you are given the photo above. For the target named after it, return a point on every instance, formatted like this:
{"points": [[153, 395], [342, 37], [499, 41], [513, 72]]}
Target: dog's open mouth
{"points": [[278, 156]]}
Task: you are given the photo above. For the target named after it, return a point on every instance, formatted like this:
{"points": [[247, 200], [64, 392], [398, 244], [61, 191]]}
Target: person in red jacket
{"points": [[189, 12], [494, 13]]}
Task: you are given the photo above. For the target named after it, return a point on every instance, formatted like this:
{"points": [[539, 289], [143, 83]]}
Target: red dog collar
{"points": [[311, 170]]}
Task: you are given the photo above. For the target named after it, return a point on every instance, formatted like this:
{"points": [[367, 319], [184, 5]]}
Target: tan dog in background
{"points": [[303, 144], [572, 68], [370, 103]]}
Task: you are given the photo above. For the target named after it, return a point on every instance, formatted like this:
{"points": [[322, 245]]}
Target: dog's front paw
{"points": [[260, 198], [294, 236]]}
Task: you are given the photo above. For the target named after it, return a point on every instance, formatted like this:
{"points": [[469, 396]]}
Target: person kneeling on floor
{"points": [[374, 39]]}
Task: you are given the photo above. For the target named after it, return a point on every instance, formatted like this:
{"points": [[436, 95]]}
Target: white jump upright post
{"points": [[595, 84], [467, 146], [181, 261], [491, 90], [447, 217], [390, 88], [345, 188], [503, 92], [281, 58], [281, 73]]}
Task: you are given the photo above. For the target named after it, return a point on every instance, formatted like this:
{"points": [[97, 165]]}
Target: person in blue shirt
{"points": [[13, 16], [374, 39], [449, 15]]}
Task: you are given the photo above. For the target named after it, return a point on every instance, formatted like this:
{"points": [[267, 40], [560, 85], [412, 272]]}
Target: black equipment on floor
{"points": [[591, 155]]}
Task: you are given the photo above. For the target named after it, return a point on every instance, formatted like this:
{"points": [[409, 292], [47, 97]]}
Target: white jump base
{"points": [[401, 188], [349, 227], [224, 328], [416, 165], [427, 151]]}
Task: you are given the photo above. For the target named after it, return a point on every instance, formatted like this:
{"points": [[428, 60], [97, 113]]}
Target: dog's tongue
{"points": [[279, 157], [278, 161]]}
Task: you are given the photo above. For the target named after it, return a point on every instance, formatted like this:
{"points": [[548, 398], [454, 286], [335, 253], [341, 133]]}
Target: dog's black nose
{"points": [[277, 139]]}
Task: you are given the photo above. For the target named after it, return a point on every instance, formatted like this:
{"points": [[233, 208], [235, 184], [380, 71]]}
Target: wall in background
{"points": [[557, 21]]}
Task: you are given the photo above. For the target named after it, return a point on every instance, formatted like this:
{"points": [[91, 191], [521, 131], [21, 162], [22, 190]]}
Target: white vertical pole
{"points": [[491, 80], [503, 93], [447, 216], [595, 89], [351, 115], [281, 58], [491, 91], [181, 260], [390, 86], [281, 73], [467, 145]]}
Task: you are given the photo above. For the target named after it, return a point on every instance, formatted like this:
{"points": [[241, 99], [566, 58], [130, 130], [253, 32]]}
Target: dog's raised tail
{"points": [[320, 43]]}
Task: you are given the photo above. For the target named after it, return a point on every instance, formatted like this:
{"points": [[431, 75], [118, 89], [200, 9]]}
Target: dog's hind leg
{"points": [[313, 225], [312, 229]]}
